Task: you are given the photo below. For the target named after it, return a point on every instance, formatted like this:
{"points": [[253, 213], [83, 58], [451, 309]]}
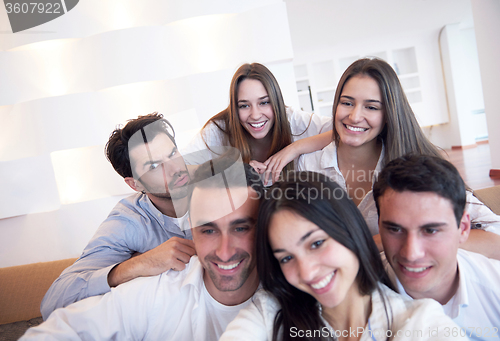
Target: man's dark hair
{"points": [[233, 171], [117, 147], [422, 173]]}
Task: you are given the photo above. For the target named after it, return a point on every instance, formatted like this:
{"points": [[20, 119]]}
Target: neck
{"points": [[260, 148], [234, 297], [166, 205], [352, 313], [361, 157]]}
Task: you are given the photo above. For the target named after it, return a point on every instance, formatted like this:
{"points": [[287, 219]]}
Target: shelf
{"points": [[408, 75], [303, 93], [300, 79]]}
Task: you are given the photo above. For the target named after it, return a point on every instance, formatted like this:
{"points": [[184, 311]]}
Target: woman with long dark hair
{"points": [[322, 275]]}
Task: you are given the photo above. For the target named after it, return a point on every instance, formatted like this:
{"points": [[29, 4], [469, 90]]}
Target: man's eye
{"points": [[242, 229], [317, 244], [208, 231], [153, 166], [393, 229], [431, 231], [285, 260], [173, 152]]}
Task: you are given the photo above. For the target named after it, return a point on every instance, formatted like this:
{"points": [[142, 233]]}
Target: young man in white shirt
{"points": [[196, 303], [421, 201], [144, 235]]}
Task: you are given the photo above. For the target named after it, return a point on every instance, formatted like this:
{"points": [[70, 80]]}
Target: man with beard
{"points": [[144, 235], [198, 302]]}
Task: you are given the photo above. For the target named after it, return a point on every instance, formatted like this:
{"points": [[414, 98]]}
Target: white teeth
{"points": [[258, 125], [324, 282], [228, 267], [355, 128], [416, 269]]}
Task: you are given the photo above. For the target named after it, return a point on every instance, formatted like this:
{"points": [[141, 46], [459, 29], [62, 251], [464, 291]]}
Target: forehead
{"points": [[250, 87], [415, 208], [156, 147], [221, 206], [362, 85], [287, 228]]}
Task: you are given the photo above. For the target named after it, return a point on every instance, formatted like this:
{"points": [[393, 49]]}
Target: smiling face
{"points": [[225, 240], [359, 117], [254, 108], [160, 169], [312, 261], [420, 237]]}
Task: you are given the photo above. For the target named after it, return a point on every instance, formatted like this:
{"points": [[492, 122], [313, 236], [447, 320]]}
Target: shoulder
{"points": [[319, 160], [474, 265]]}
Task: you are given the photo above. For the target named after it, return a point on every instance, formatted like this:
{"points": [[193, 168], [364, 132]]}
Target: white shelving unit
{"points": [[322, 78]]}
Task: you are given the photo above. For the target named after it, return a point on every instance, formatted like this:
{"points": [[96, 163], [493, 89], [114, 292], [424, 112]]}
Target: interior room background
{"points": [[65, 85]]}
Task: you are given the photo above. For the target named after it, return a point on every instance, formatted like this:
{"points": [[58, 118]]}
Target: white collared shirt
{"points": [[172, 306], [325, 162], [476, 305]]}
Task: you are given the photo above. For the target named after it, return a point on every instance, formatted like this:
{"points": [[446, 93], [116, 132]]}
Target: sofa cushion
{"points": [[24, 286]]}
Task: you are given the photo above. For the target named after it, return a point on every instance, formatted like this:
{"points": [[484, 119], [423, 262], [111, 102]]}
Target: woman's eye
{"points": [[243, 106], [372, 108], [317, 244], [348, 104], [264, 102], [285, 259]]}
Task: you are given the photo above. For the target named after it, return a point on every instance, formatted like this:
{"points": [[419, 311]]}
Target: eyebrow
{"points": [[243, 221], [368, 100], [260, 98], [150, 162], [425, 226], [301, 240]]}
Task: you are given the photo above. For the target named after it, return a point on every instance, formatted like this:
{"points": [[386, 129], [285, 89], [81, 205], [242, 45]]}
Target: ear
{"points": [[134, 184], [464, 227]]}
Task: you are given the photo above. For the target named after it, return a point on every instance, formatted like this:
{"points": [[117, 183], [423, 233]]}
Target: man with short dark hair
{"points": [[145, 234], [198, 302], [422, 218]]}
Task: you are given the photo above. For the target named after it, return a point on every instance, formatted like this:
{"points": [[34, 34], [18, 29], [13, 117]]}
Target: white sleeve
{"points": [[122, 314], [255, 322], [428, 322], [304, 124], [480, 213], [196, 152]]}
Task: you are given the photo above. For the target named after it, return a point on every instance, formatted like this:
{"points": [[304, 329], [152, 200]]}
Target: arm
{"points": [[483, 242], [278, 161], [113, 244], [173, 254]]}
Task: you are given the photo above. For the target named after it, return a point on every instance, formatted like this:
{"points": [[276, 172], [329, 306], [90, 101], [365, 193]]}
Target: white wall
{"points": [[67, 84], [487, 26]]}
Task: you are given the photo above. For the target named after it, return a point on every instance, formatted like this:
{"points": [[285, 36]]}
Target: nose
{"points": [[225, 249], [255, 112], [306, 269], [356, 114], [412, 249]]}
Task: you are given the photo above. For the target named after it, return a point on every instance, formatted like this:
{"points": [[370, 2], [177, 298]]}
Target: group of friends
{"points": [[277, 224]]}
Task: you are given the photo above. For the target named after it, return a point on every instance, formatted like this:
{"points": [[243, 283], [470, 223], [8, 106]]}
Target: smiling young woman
{"points": [[268, 134]]}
